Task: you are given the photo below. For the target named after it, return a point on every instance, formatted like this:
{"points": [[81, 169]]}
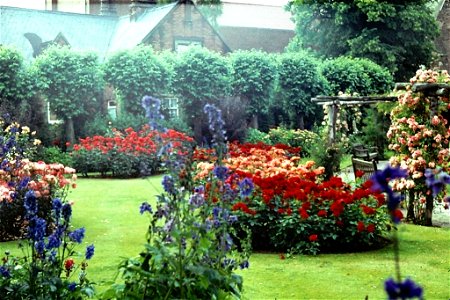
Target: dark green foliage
{"points": [[299, 81], [70, 82], [54, 155], [376, 125], [18, 96], [396, 34], [254, 78], [135, 73], [362, 76], [201, 77]]}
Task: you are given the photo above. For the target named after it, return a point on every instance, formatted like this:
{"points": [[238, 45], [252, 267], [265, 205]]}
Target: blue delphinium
{"points": [[216, 127], [89, 251], [221, 172], [77, 235], [246, 187], [152, 108], [436, 180], [145, 206], [396, 289]]}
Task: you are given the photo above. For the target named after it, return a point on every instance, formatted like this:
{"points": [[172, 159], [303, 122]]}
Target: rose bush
{"points": [[125, 154], [293, 209], [419, 136], [18, 174]]}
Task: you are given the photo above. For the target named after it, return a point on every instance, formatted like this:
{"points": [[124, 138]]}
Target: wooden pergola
{"points": [[335, 101], [431, 90]]}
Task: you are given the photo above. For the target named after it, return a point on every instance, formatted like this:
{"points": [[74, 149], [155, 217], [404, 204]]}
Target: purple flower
{"points": [[24, 183], [216, 126], [246, 187], [381, 183], [77, 235], [67, 212], [221, 172], [30, 204], [36, 229], [196, 200], [39, 246], [168, 184], [89, 251], [72, 286], [407, 289], [436, 181], [4, 271], [145, 207], [244, 265], [57, 206], [152, 108], [53, 241]]}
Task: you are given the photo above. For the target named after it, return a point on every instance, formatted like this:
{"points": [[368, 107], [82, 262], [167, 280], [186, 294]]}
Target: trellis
{"points": [[431, 90], [334, 102]]}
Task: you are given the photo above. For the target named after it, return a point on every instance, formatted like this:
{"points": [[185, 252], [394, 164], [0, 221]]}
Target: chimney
{"points": [[139, 6], [107, 8]]}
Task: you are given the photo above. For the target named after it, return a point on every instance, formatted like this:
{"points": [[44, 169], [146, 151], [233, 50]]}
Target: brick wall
{"points": [[443, 42], [185, 22]]}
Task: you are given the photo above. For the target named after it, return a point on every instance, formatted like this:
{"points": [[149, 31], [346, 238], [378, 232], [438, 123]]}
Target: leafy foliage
{"points": [[396, 34], [201, 77], [299, 81], [136, 72], [254, 77], [18, 97], [361, 76], [70, 81]]}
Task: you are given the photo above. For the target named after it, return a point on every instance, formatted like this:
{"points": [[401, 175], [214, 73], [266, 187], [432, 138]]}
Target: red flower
{"points": [[313, 237], [361, 227], [370, 228], [397, 215], [368, 210], [243, 207], [303, 213], [359, 173], [68, 264], [322, 213]]}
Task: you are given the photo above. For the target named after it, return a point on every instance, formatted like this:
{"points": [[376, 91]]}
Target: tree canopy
{"points": [[70, 82], [396, 34]]}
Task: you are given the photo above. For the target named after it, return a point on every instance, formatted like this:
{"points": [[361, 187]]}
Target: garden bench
{"points": [[368, 167], [365, 153]]}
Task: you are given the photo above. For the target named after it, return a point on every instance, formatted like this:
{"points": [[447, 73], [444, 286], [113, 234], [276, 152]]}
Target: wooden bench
{"points": [[365, 153], [368, 167]]}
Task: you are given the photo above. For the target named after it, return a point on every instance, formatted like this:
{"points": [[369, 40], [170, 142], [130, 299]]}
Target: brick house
{"points": [[443, 42]]}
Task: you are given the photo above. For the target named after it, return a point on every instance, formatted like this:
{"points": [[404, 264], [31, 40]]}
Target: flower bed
{"points": [[125, 154], [293, 209]]}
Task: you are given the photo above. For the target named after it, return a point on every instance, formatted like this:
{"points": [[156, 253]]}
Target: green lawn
{"points": [[109, 209]]}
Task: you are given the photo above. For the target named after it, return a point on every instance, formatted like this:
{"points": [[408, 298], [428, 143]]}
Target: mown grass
{"points": [[109, 209]]}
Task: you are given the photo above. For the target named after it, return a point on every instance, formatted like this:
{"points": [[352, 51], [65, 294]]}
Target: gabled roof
{"points": [[82, 32], [135, 31], [102, 34]]}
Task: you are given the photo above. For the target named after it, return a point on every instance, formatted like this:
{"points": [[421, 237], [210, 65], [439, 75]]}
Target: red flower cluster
{"points": [[132, 142]]}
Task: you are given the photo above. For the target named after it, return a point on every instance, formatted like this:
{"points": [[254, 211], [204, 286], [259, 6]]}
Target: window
{"points": [[52, 118], [182, 45], [170, 105], [112, 109]]}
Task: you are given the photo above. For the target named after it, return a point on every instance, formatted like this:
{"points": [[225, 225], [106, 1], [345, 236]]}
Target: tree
{"points": [[201, 77], [356, 75], [396, 34], [135, 73], [299, 81], [18, 97], [70, 82], [254, 78]]}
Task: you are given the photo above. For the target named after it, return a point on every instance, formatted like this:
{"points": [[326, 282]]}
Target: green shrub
{"points": [[54, 155], [355, 75]]}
